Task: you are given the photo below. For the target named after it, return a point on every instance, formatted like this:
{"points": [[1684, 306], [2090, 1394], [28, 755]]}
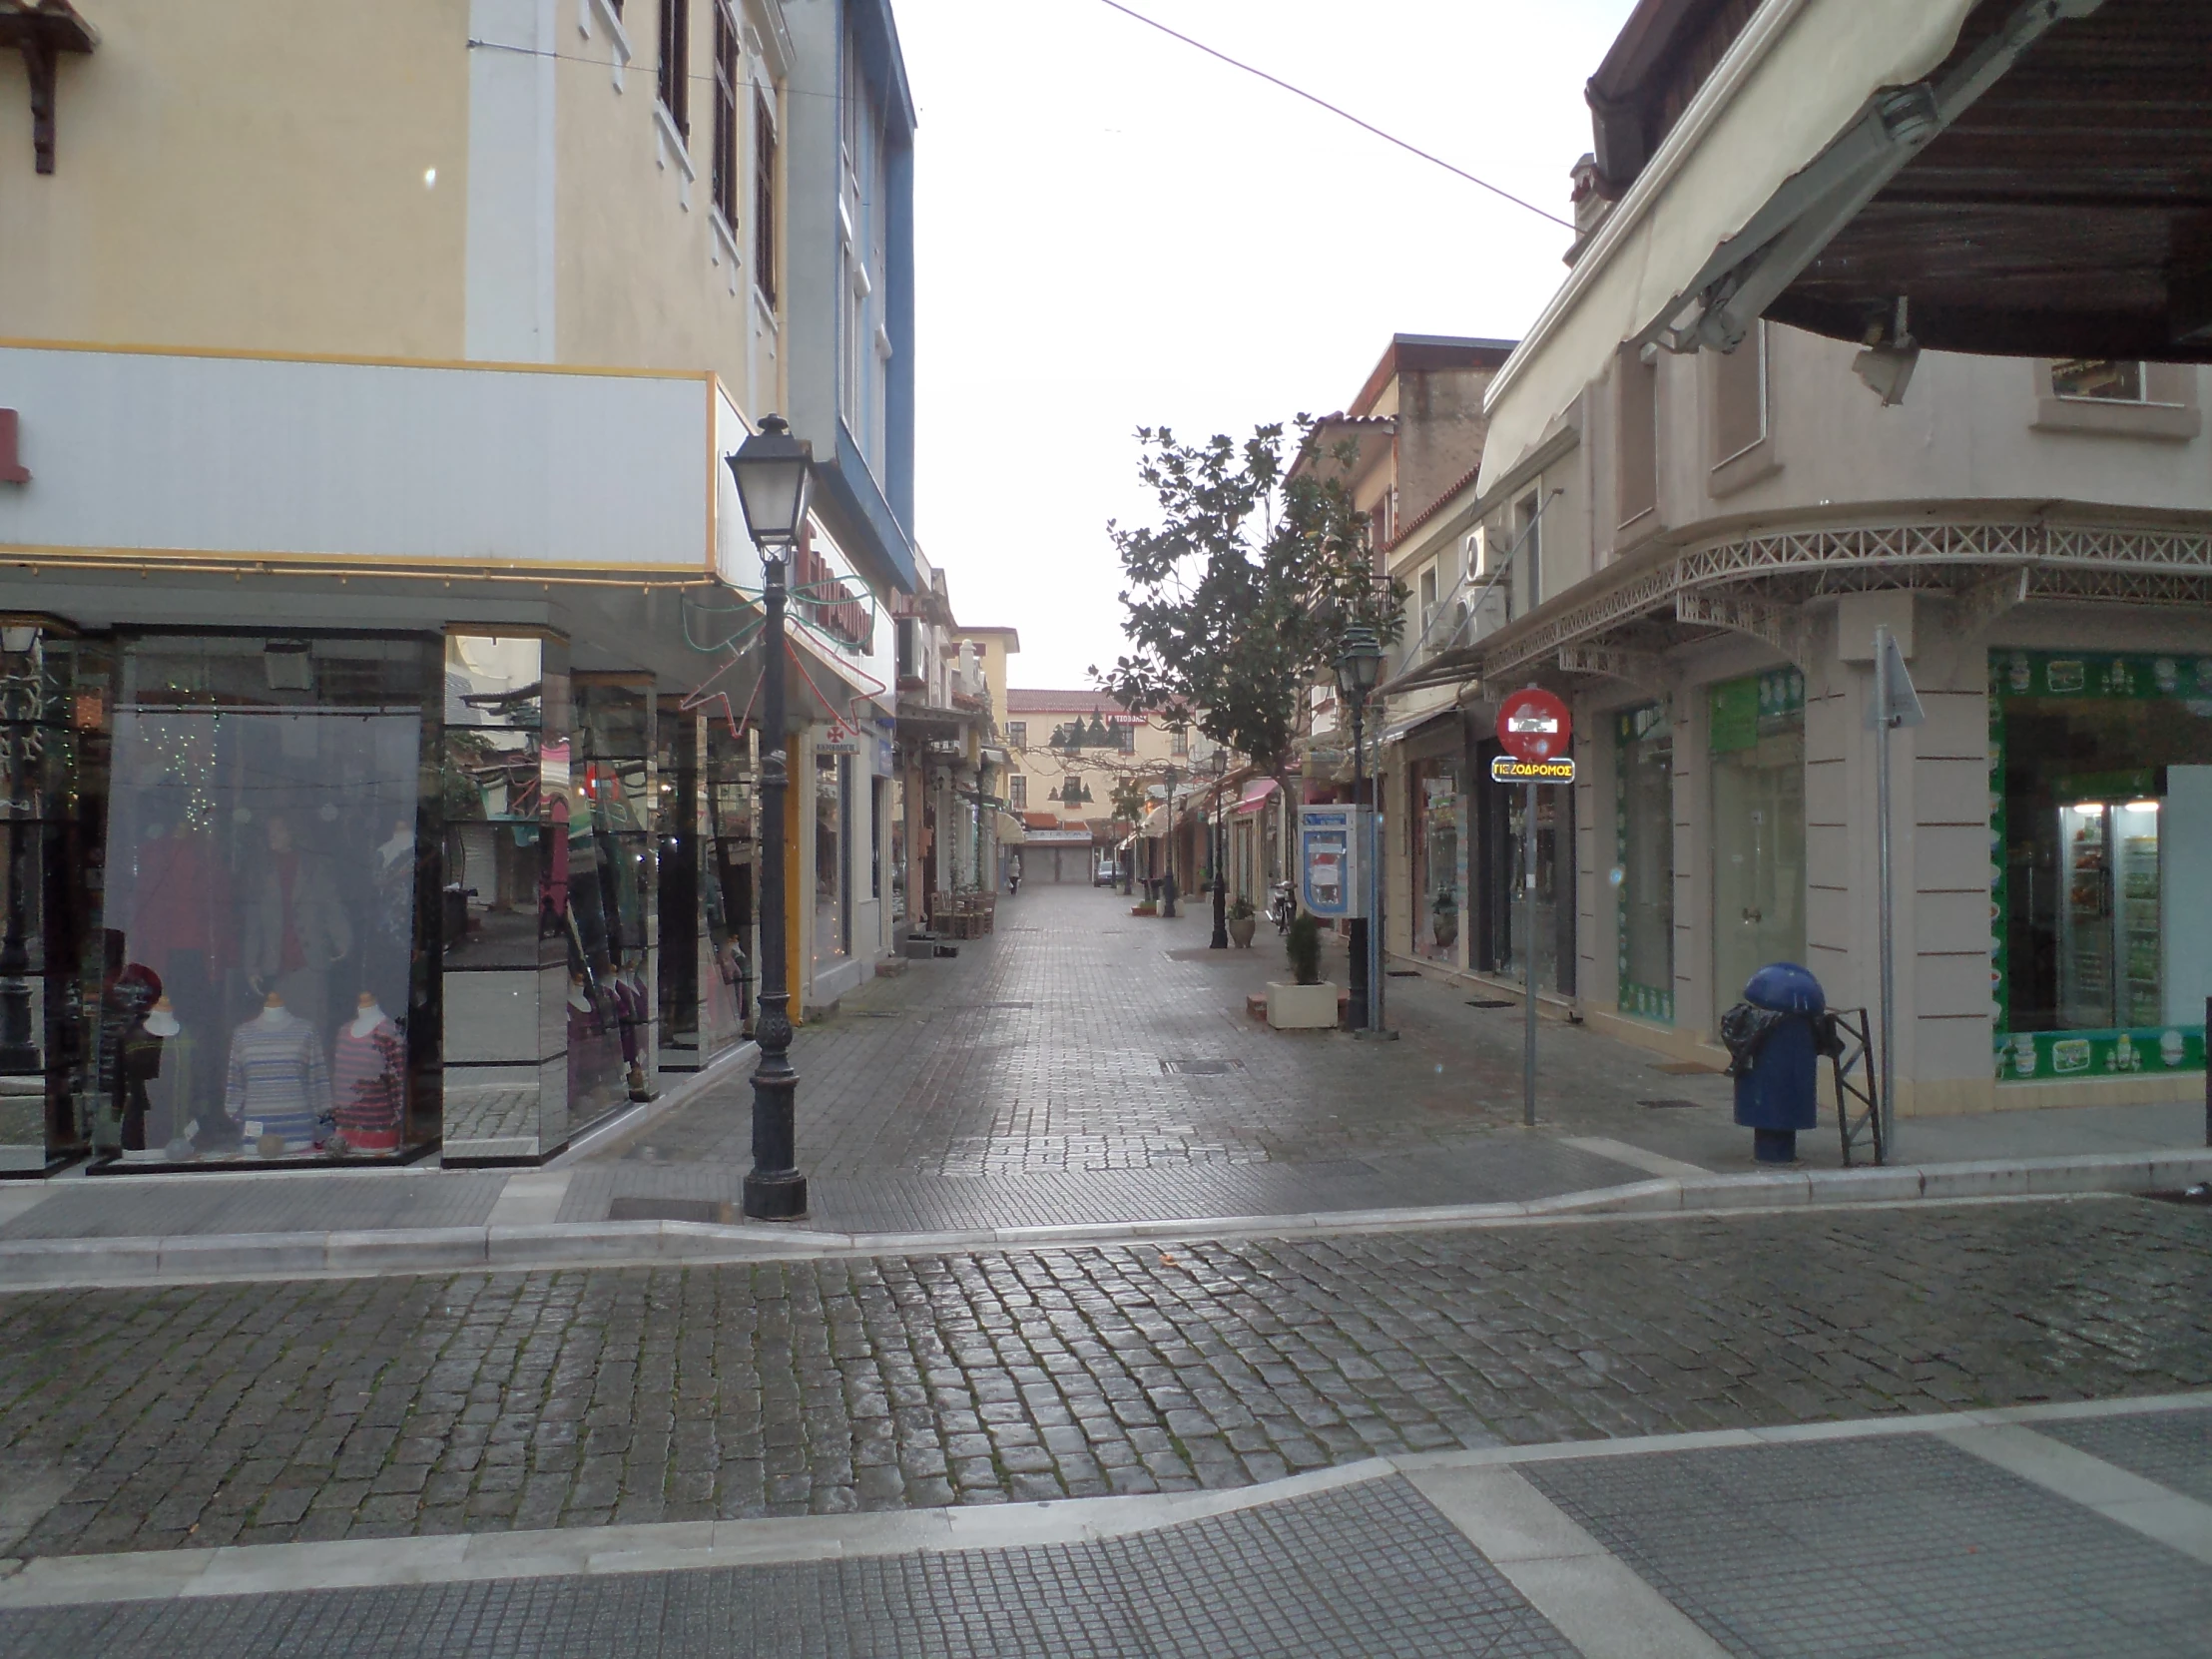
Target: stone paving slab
{"points": [[176, 1205], [2173, 1450], [186, 1417], [1881, 1548], [1358, 1572]]}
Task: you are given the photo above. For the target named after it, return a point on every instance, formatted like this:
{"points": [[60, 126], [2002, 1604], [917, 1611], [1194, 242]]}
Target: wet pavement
{"points": [[199, 1415]]}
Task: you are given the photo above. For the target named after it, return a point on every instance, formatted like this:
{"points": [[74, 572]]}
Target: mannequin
{"points": [[279, 1086], [131, 1052], [368, 1065]]}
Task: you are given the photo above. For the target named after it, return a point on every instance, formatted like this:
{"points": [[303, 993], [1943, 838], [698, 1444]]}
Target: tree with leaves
{"points": [[1240, 594]]}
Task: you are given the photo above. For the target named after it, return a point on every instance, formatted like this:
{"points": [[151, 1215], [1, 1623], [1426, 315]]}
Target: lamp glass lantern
{"points": [[1359, 663], [775, 476]]}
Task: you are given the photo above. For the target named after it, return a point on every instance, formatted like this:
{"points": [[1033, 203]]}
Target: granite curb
{"points": [[46, 1264]]}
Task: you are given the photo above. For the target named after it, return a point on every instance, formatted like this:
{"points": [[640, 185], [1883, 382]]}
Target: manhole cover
{"points": [[634, 1208], [1201, 1068], [1656, 1104], [1492, 1002]]}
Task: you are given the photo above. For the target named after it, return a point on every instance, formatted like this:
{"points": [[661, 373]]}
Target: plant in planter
{"points": [[1243, 920], [1309, 1003], [1444, 919]]}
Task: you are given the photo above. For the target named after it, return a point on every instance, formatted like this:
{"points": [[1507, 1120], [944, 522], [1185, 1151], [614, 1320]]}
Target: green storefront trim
{"points": [[1652, 1002], [2115, 676]]}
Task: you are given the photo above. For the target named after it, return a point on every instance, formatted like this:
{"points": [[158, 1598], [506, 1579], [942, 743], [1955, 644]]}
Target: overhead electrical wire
{"points": [[1343, 114]]}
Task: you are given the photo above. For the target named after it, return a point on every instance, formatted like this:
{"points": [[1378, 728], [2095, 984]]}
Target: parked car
{"points": [[1108, 871]]}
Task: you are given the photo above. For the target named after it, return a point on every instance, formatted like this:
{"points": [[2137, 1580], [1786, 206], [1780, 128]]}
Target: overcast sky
{"points": [[1116, 231]]}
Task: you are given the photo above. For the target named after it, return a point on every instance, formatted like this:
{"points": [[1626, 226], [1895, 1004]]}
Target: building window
{"points": [[725, 113], [1428, 603], [909, 634], [1740, 397], [1530, 532], [675, 71], [1017, 792], [1017, 733], [1636, 438], [2117, 383], [763, 200], [1125, 736], [1179, 744]]}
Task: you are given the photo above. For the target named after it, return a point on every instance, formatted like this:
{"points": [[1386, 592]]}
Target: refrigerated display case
{"points": [[2086, 920], [2135, 882], [2111, 945]]}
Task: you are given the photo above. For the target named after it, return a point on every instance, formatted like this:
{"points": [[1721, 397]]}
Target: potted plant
{"points": [[1309, 1004], [1444, 919], [1243, 919]]}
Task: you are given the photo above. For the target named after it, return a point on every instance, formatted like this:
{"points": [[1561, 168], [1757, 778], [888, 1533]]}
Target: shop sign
{"points": [[2055, 1054], [1533, 725], [2098, 675], [1739, 705], [1505, 769]]}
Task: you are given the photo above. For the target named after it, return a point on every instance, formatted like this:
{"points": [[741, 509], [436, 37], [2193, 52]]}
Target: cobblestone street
{"points": [[261, 1412]]}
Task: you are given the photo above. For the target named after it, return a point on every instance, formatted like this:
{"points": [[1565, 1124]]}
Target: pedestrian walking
{"points": [[1013, 874]]}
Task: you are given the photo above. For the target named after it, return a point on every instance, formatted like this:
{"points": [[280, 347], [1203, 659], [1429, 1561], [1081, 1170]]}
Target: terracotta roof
{"points": [[1433, 508]]}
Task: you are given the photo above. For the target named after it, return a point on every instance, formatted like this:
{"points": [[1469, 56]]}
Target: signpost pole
{"points": [[1529, 956], [1883, 718]]}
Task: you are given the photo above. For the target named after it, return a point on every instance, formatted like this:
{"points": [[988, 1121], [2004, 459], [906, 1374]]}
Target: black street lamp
{"points": [[1358, 666], [775, 476], [1220, 940], [1167, 889]]}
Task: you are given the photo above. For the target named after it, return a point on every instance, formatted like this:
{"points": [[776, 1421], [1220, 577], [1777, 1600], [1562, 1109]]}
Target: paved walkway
{"points": [[1085, 1065], [2041, 1531]]}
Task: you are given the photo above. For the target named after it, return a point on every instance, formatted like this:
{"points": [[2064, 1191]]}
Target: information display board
{"points": [[1330, 883]]}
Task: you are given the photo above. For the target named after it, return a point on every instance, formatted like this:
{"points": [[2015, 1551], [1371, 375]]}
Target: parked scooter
{"points": [[1283, 906]]}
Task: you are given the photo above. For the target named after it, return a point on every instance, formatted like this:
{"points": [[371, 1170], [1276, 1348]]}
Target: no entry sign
{"points": [[1533, 725]]}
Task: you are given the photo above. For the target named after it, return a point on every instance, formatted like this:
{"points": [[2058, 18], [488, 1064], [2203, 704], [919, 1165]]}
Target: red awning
{"points": [[1256, 793]]}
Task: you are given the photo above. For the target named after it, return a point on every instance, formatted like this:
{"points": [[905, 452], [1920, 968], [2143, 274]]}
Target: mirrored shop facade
{"points": [[353, 896]]}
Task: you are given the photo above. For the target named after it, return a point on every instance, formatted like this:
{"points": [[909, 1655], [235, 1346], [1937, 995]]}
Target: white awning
{"points": [[1796, 79]]}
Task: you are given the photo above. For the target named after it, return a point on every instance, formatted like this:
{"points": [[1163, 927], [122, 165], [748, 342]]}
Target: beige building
{"points": [[1696, 547], [391, 361]]}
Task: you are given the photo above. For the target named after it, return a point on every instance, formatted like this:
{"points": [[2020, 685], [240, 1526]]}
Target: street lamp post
{"points": [[775, 476], [1220, 940], [1359, 665], [1167, 884]]}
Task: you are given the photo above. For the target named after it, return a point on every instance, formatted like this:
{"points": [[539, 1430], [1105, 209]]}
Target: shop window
{"points": [[1635, 438], [258, 971], [1549, 940], [1756, 740], [833, 783], [732, 837], [1439, 877], [1643, 867], [2101, 789], [610, 888]]}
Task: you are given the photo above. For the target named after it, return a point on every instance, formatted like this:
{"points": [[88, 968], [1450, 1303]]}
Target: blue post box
{"points": [[1774, 1050]]}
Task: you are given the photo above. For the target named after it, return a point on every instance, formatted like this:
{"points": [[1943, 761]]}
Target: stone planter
{"points": [[1145, 909], [1240, 929], [1302, 1008]]}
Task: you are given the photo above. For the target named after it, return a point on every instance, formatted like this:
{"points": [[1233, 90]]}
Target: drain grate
{"points": [[1401, 973], [1492, 1002], [1201, 1068], [1688, 1068], [633, 1207], [1657, 1104]]}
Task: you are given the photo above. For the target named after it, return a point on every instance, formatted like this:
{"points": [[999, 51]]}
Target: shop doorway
{"points": [[1757, 744]]}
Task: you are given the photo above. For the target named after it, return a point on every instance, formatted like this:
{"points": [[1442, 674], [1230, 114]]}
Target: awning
{"points": [[1011, 829], [1406, 729], [1256, 795], [1798, 80], [1155, 822]]}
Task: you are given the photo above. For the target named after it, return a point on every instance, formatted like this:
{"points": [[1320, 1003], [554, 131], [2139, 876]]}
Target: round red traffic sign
{"points": [[1533, 725]]}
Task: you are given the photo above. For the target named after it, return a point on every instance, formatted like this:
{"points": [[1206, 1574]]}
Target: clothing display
{"points": [[369, 1064], [280, 1083], [293, 919]]}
